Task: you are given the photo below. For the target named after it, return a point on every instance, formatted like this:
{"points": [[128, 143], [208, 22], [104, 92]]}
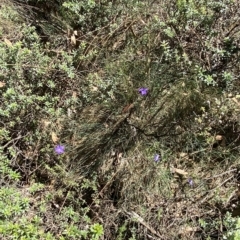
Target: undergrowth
{"points": [[119, 119]]}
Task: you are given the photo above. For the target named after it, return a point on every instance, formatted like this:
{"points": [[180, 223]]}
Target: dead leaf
{"points": [[187, 230], [219, 138], [142, 22], [2, 84], [45, 123], [9, 44], [236, 101], [120, 155], [183, 154], [74, 94], [116, 45], [179, 171], [69, 112], [73, 40], [54, 137], [94, 89]]}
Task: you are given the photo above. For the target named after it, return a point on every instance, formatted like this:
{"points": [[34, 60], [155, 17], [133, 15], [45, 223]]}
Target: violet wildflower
{"points": [[190, 181], [156, 157], [59, 149], [143, 91]]}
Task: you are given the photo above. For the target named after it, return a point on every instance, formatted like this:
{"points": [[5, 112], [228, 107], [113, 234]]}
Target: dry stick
{"points": [[221, 174], [141, 220], [61, 207], [13, 140], [94, 200], [64, 201], [233, 194], [210, 195]]}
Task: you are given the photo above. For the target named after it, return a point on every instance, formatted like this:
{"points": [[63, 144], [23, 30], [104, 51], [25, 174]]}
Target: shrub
{"points": [[72, 78]]}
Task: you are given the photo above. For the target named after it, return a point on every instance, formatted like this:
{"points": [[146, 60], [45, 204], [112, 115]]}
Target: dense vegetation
{"points": [[119, 119]]}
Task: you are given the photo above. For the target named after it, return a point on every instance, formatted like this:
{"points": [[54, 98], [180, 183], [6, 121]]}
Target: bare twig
{"points": [[141, 220], [219, 175]]}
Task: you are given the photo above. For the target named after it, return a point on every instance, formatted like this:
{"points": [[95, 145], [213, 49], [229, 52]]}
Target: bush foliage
{"points": [[70, 74]]}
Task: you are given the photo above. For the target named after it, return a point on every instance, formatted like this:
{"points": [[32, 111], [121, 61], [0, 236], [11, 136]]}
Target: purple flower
{"points": [[157, 157], [143, 91], [190, 181], [59, 149]]}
